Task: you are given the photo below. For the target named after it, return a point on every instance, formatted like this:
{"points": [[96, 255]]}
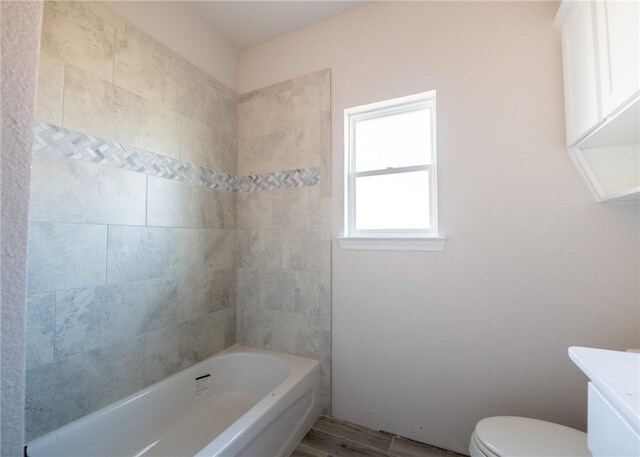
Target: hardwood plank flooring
{"points": [[330, 437]]}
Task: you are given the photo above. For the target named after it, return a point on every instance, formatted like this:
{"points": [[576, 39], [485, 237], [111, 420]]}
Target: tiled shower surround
{"points": [[284, 264], [135, 251]]}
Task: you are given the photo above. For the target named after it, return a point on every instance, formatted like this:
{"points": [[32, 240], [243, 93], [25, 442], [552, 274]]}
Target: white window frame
{"points": [[408, 239]]}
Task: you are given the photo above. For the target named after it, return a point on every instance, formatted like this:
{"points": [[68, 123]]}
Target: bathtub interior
{"points": [[253, 374], [170, 418]]}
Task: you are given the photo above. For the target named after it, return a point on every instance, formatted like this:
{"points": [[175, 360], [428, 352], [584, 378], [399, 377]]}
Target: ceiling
{"points": [[245, 24]]}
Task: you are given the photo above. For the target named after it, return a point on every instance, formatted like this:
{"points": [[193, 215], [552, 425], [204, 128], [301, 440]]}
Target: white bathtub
{"points": [[253, 403]]}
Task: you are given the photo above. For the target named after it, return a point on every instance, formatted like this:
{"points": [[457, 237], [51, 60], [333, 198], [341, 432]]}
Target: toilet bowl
{"points": [[508, 436]]}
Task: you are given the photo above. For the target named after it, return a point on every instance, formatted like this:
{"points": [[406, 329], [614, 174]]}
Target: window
{"points": [[391, 186]]}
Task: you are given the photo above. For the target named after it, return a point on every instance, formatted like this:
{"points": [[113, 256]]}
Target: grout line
{"points": [[73, 356], [55, 320], [64, 86], [106, 257], [146, 201], [113, 62], [144, 364], [144, 226], [143, 335]]}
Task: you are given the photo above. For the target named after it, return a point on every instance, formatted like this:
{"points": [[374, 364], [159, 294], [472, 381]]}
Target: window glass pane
{"points": [[394, 201], [398, 140]]}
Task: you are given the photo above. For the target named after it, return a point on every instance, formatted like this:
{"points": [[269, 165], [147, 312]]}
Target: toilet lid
{"points": [[508, 436]]}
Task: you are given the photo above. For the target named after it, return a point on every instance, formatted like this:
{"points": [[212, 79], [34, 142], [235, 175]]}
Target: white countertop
{"points": [[616, 374]]}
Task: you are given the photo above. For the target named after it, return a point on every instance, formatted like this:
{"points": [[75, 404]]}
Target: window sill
{"points": [[432, 243]]}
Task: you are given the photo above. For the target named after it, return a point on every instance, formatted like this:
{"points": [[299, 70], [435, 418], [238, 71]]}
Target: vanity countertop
{"points": [[617, 375]]}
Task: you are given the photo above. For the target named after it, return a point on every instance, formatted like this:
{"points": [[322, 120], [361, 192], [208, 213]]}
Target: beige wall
{"points": [[425, 344]]}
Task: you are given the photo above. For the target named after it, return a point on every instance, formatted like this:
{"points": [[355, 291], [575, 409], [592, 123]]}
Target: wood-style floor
{"points": [[333, 438]]}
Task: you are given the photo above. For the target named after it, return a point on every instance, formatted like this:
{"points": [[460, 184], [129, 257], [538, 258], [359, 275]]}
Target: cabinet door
{"points": [[579, 63], [618, 25]]}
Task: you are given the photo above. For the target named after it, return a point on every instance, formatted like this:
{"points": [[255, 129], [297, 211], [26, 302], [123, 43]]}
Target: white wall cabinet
{"points": [[580, 70], [618, 37], [601, 65]]}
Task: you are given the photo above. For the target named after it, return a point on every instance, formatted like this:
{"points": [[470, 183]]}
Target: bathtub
{"points": [[239, 402]]}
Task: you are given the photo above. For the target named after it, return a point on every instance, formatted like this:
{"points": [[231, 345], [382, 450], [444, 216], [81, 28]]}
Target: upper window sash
{"points": [[378, 110]]}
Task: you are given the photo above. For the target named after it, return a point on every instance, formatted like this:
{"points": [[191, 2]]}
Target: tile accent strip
{"points": [[300, 177], [49, 138]]}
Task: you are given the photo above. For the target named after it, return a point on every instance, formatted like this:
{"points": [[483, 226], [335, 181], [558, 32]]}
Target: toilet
{"points": [[509, 436]]}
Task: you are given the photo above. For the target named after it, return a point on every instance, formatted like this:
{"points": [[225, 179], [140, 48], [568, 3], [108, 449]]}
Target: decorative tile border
{"points": [[53, 139], [300, 177]]}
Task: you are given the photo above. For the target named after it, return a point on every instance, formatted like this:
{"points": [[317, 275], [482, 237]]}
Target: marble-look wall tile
{"points": [[205, 292], [280, 150], [63, 391], [320, 77], [307, 292], [176, 204], [208, 145], [325, 90], [301, 249], [280, 208], [105, 13], [325, 219], [256, 154], [325, 364], [248, 289], [70, 190], [260, 248], [268, 111], [145, 67], [282, 290], [284, 259], [305, 104], [255, 210], [171, 287], [225, 249], [285, 290], [50, 89], [198, 94], [324, 262], [64, 256], [226, 117], [137, 253], [71, 31], [283, 126], [148, 68], [96, 107], [170, 350], [40, 329], [277, 289], [92, 317], [325, 154], [280, 331], [296, 208], [266, 91]]}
